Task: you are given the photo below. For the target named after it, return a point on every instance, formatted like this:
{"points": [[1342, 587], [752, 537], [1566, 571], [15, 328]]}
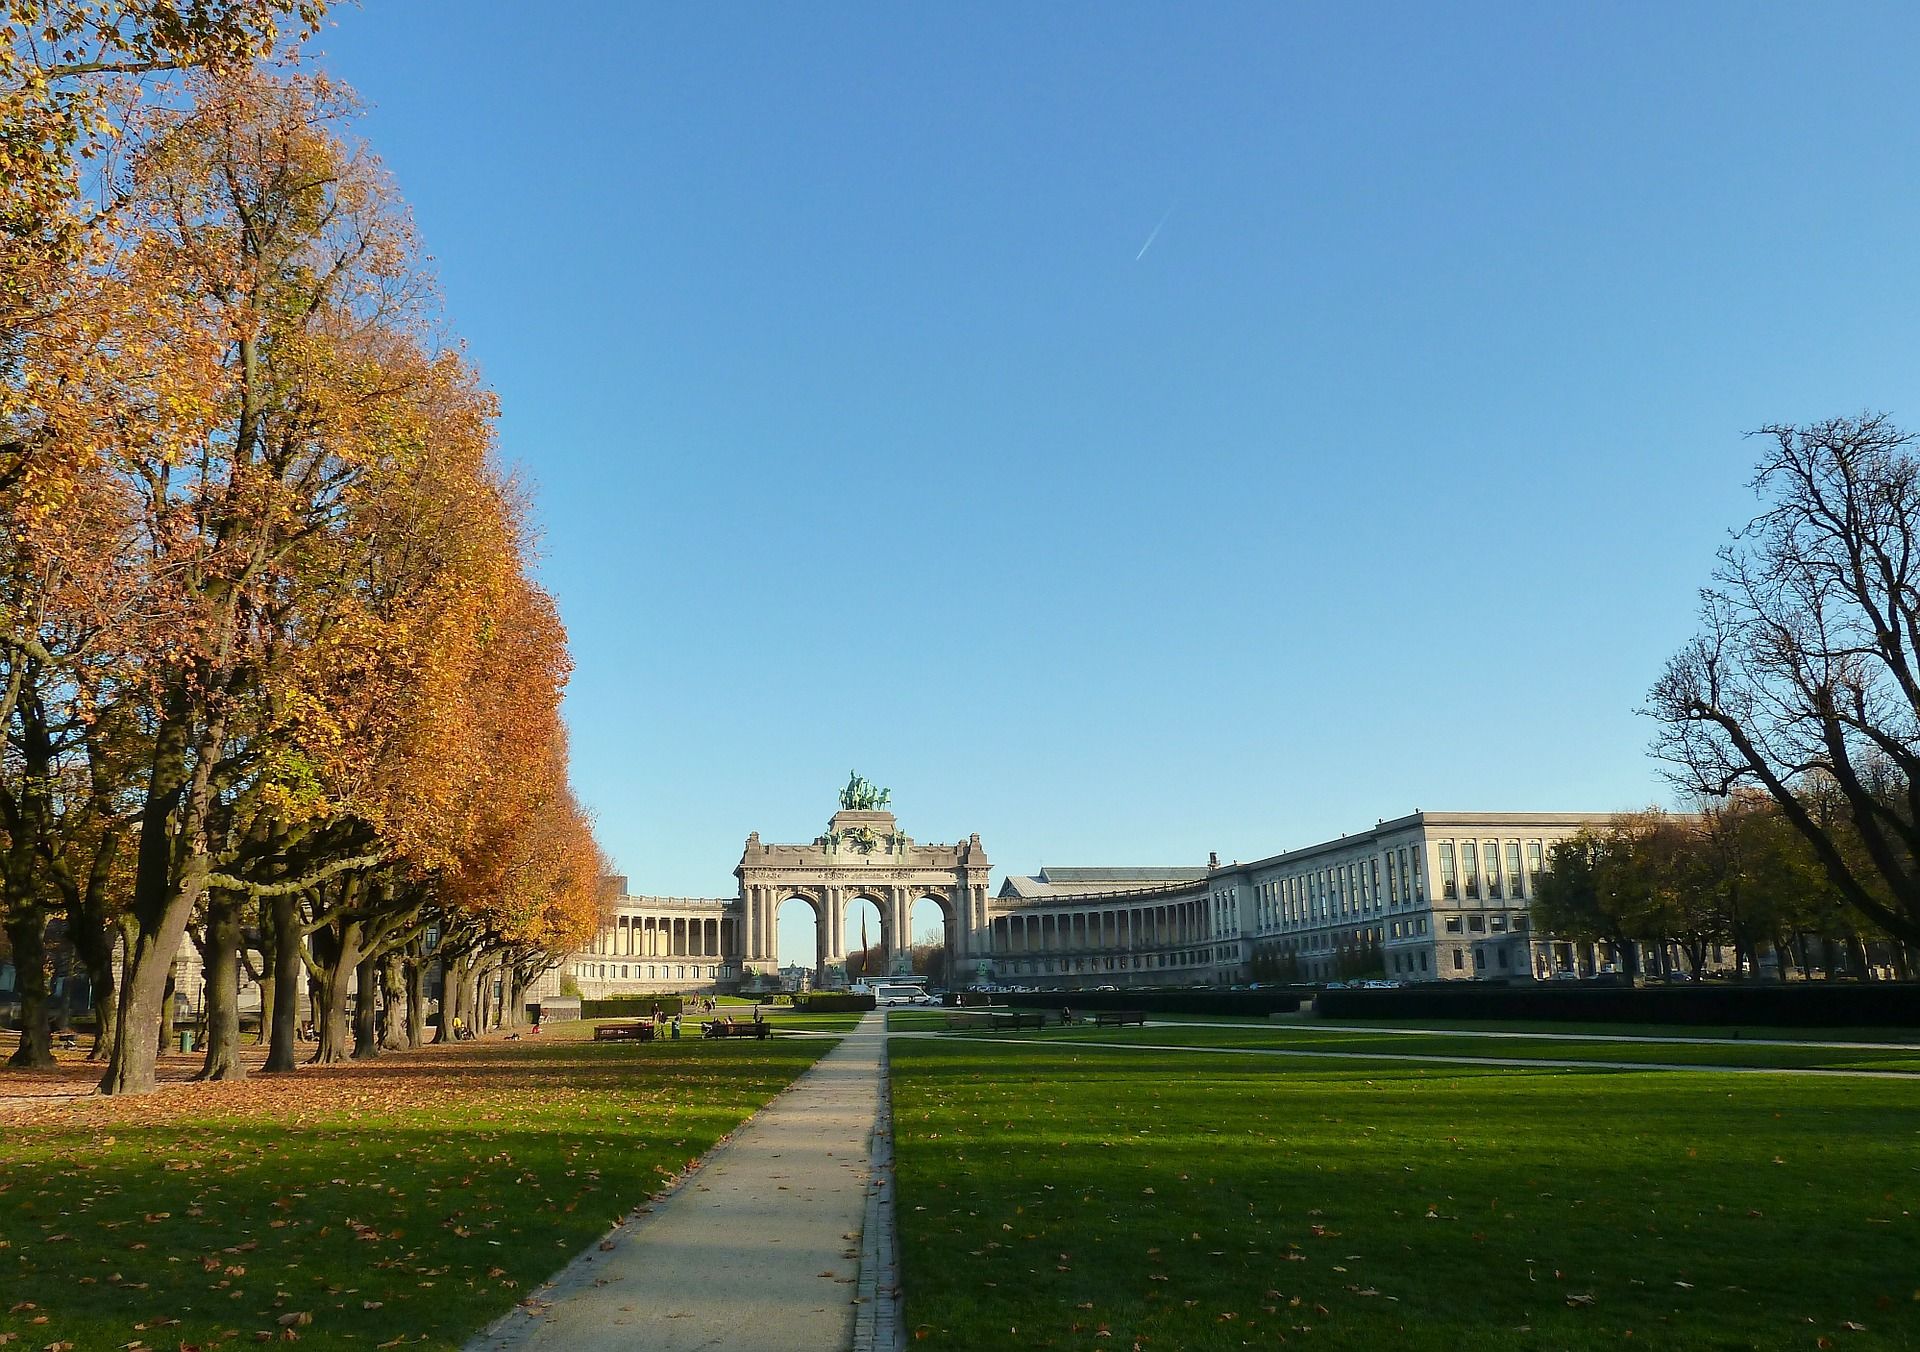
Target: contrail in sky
{"points": [[1151, 238]]}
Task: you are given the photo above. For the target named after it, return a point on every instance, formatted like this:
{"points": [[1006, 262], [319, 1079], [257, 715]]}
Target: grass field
{"points": [[1342, 1039], [410, 1200], [1655, 1030], [1085, 1197]]}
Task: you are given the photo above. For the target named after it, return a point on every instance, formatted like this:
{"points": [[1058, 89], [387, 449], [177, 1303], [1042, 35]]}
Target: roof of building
{"points": [[1121, 875], [1060, 882]]}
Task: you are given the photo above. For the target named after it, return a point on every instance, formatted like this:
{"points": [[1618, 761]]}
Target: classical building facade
{"points": [[705, 944], [1428, 896]]}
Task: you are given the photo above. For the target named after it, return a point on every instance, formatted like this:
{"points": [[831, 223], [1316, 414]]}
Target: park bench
{"points": [[963, 1022], [1115, 1018], [750, 1028], [640, 1030], [1015, 1022]]}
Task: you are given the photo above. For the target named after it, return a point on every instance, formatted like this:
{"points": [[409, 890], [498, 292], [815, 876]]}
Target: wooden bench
{"points": [[640, 1030], [965, 1022], [1015, 1022], [749, 1028], [1115, 1018]]}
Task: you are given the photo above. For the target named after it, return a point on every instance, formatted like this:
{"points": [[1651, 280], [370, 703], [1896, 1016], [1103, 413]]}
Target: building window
{"points": [[1535, 863], [1393, 879], [1513, 869], [1479, 959], [1477, 923], [1419, 893], [1490, 853], [1423, 960], [1453, 924], [1449, 889], [1499, 923], [1470, 868], [1459, 960]]}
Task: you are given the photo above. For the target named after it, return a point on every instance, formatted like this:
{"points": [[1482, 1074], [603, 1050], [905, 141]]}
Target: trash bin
{"points": [[186, 1039]]}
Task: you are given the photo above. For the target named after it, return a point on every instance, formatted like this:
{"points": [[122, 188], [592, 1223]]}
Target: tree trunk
{"points": [[415, 973], [169, 1003], [393, 1036], [453, 994], [267, 998], [338, 955], [93, 941], [27, 931], [269, 973], [366, 1007], [222, 959], [164, 894], [288, 969], [513, 997]]}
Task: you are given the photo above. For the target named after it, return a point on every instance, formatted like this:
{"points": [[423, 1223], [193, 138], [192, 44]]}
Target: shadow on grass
{"points": [[1200, 1201], [415, 1197]]}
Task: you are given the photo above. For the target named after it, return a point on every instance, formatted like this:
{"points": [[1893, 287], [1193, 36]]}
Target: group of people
{"points": [[714, 1027]]}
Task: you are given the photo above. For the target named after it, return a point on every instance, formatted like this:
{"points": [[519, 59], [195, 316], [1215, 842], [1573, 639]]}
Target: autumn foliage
{"points": [[274, 675]]}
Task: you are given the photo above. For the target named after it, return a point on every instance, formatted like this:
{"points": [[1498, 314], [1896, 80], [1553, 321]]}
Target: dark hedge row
{"points": [[629, 1006], [1243, 1003], [1816, 1004], [832, 1002]]}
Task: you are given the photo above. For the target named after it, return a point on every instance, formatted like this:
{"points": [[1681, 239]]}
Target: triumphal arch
{"points": [[863, 853]]}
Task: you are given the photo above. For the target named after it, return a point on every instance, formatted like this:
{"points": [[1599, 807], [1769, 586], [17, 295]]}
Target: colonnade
{"points": [[1109, 929], [667, 936]]}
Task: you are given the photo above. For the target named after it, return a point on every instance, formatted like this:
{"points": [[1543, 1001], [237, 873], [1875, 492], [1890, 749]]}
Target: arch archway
{"points": [[865, 940], [931, 939], [798, 923]]}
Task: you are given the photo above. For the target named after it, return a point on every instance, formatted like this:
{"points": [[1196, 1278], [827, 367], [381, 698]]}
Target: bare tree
{"points": [[1806, 679]]}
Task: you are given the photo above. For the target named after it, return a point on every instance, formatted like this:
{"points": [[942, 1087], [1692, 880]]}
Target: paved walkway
{"points": [[758, 1249]]}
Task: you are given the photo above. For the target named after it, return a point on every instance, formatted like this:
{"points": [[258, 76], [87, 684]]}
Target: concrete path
{"points": [[758, 1249]]}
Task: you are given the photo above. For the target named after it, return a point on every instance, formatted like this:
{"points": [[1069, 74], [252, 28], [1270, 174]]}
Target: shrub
{"points": [[1242, 1003], [629, 1006], [832, 1002]]}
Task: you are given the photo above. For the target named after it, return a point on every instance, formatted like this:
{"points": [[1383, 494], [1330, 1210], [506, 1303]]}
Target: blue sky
{"points": [[865, 436]]}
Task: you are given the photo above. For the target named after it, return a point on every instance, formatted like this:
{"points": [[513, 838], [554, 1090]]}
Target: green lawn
{"points": [[1655, 1030], [1341, 1039], [1322, 1039], [1074, 1197], [412, 1199]]}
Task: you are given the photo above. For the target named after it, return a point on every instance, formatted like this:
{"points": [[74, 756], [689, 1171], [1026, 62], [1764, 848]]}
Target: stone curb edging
{"points": [[878, 1326]]}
